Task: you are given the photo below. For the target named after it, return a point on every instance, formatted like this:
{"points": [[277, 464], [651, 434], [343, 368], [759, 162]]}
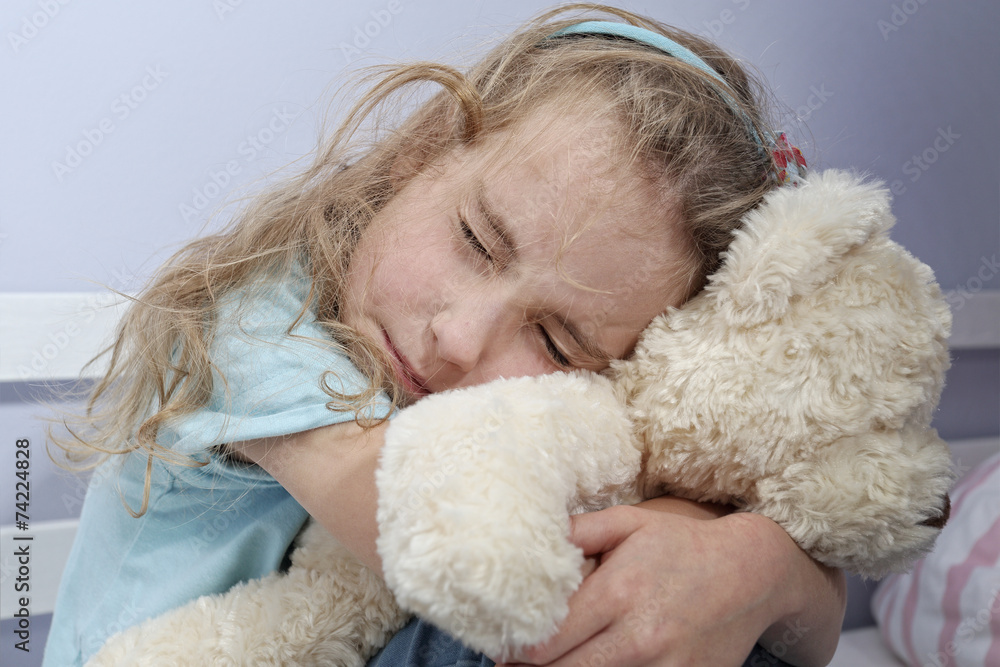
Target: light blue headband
{"points": [[637, 34], [790, 166]]}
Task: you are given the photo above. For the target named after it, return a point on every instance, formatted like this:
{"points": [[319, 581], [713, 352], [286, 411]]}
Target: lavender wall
{"points": [[118, 115]]}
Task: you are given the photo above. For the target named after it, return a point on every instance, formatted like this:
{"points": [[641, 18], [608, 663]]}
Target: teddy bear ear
{"points": [[795, 241]]}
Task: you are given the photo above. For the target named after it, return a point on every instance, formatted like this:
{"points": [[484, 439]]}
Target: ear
{"points": [[796, 241]]}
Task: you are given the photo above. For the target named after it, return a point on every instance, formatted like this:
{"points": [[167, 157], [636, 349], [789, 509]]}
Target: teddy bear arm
{"points": [[307, 616], [475, 491], [870, 504]]}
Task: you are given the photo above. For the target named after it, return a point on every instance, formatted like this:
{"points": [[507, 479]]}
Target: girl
{"points": [[533, 216]]}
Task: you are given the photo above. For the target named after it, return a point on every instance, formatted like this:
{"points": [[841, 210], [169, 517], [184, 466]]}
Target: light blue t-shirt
{"points": [[206, 528]]}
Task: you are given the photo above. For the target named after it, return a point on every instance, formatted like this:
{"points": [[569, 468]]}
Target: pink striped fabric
{"points": [[946, 612]]}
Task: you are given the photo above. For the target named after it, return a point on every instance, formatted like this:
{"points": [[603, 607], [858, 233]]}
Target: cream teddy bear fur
{"points": [[328, 609], [799, 384]]}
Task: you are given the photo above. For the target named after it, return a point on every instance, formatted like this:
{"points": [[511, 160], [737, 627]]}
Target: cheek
{"points": [[360, 271], [405, 280], [365, 280], [519, 356], [428, 267], [514, 369]]}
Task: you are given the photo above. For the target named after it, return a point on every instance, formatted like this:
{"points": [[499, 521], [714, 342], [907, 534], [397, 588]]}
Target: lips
{"points": [[412, 382]]}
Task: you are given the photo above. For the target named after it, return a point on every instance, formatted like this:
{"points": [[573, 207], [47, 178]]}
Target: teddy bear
{"points": [[799, 384]]}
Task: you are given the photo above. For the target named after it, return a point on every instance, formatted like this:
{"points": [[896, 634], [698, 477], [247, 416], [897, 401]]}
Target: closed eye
{"points": [[473, 241], [558, 357]]}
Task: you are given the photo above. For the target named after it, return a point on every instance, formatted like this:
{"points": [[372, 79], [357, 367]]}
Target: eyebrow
{"points": [[498, 228]]}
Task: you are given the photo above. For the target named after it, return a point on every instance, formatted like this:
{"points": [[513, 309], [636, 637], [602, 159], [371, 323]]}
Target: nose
{"points": [[467, 327]]}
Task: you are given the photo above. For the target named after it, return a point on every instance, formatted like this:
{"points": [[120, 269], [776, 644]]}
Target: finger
{"points": [[604, 649], [588, 567], [600, 532], [591, 611]]}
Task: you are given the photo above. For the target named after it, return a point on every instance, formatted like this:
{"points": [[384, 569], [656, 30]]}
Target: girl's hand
{"points": [[675, 590]]}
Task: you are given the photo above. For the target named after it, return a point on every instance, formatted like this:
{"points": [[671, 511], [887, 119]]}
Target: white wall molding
{"points": [[51, 335], [976, 319]]}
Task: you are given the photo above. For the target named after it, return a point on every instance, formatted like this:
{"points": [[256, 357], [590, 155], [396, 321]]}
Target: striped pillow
{"points": [[946, 611]]}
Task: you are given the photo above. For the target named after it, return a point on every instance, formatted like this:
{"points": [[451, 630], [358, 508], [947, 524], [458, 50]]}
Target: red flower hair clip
{"points": [[789, 163]]}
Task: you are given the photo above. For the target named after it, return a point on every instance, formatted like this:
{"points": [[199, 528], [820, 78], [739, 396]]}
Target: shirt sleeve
{"points": [[266, 381]]}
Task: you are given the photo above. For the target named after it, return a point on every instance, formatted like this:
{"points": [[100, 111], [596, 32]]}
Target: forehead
{"points": [[568, 170]]}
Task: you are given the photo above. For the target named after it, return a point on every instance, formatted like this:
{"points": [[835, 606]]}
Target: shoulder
{"points": [[275, 299], [267, 335], [269, 320], [275, 370]]}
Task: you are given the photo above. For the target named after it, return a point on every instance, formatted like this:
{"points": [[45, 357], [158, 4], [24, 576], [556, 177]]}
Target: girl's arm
{"points": [[676, 589], [672, 589], [815, 602], [330, 471]]}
